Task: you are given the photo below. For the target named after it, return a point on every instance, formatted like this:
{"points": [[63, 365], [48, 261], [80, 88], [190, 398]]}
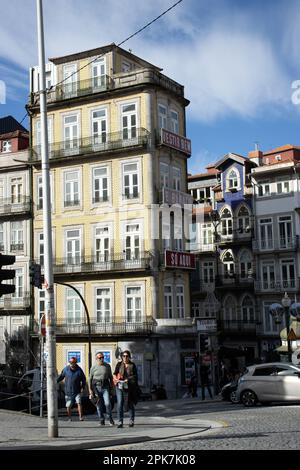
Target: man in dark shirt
{"points": [[74, 385]]}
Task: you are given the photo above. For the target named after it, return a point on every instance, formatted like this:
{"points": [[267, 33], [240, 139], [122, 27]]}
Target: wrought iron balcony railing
{"points": [[12, 302], [238, 326], [13, 206], [277, 286], [94, 144], [270, 244]]}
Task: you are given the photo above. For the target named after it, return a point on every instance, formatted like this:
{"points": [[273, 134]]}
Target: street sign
{"points": [[208, 325], [292, 335]]}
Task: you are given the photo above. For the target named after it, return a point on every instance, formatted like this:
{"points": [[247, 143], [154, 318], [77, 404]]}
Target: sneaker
{"points": [[81, 419], [120, 425], [111, 422], [102, 422], [131, 424]]}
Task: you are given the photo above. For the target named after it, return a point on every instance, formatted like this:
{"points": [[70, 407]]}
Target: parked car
{"points": [[228, 391], [267, 383]]}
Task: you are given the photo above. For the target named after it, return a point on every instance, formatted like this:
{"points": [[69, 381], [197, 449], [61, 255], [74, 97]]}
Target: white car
{"points": [[266, 383]]}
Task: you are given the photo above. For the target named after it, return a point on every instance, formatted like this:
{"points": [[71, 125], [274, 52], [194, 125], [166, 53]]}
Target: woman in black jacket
{"points": [[126, 381]]}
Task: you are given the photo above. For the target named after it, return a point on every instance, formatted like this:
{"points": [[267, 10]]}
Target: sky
{"points": [[237, 59]]}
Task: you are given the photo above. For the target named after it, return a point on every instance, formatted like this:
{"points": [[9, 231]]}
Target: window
{"points": [[246, 265], [228, 265], [244, 225], [70, 80], [164, 175], [73, 246], [6, 146], [230, 312], [100, 184], [99, 126], [41, 248], [288, 274], [283, 187], [103, 305], [208, 272], [71, 132], [174, 122], [196, 309], [268, 275], [266, 234], [180, 301], [125, 67], [71, 188], [98, 73], [38, 131], [133, 304], [42, 303], [264, 371], [207, 234], [16, 232], [176, 178], [168, 302], [226, 223], [132, 241], [16, 190], [233, 179], [129, 121], [285, 231], [162, 117], [264, 189], [247, 310], [178, 233], [102, 244], [19, 283], [2, 237], [74, 306], [130, 181], [40, 192]]}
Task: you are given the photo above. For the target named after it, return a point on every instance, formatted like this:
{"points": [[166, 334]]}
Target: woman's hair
{"points": [[127, 352]]}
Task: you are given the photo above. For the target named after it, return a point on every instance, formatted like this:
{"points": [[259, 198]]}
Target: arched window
{"points": [[230, 312], [226, 222], [243, 217], [233, 179], [248, 310], [245, 264], [228, 264]]}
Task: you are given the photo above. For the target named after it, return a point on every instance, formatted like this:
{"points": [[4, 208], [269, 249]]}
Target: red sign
{"points": [[180, 259], [176, 141], [43, 325]]}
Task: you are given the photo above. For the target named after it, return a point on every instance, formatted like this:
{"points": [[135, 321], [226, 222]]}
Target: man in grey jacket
{"points": [[101, 386]]}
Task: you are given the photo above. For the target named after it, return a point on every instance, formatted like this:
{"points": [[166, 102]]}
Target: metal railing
{"points": [[94, 144], [239, 326], [11, 206], [277, 286], [9, 301], [270, 244]]}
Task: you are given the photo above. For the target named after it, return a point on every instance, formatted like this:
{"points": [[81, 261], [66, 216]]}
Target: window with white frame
{"points": [[166, 234], [100, 184], [73, 246], [102, 244], [230, 310], [38, 131], [74, 306], [16, 236], [99, 126], [208, 272], [180, 301], [285, 231], [164, 175], [269, 322], [129, 121], [288, 275], [283, 187], [268, 275], [245, 264], [162, 117], [41, 249], [196, 309], [264, 188], [207, 234], [40, 192], [130, 180], [2, 237], [99, 73], [243, 216], [6, 146], [176, 178], [71, 188], [226, 223], [232, 179], [41, 302], [248, 310], [19, 283], [71, 132], [228, 264], [103, 304], [16, 190], [168, 301], [266, 234], [134, 312], [174, 122], [132, 241], [70, 79]]}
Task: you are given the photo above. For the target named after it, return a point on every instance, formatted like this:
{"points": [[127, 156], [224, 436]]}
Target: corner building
{"points": [[116, 131]]}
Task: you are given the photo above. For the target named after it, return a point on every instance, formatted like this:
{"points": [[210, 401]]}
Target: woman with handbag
{"points": [[126, 381]]}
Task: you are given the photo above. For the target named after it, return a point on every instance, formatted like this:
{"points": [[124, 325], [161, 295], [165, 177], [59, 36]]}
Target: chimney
{"points": [[256, 156]]}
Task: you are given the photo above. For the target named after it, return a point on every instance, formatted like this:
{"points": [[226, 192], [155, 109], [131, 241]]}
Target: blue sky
{"points": [[237, 60]]}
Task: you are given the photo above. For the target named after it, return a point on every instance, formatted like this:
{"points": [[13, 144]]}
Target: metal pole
{"points": [[42, 378], [49, 294], [287, 324]]}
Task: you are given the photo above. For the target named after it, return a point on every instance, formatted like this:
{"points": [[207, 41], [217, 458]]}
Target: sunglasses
{"points": [[100, 357], [125, 355]]}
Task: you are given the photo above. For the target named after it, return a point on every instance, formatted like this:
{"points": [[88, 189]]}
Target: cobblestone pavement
{"points": [[261, 428]]}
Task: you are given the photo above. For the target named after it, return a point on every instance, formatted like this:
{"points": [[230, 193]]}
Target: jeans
{"points": [[122, 396], [104, 402]]}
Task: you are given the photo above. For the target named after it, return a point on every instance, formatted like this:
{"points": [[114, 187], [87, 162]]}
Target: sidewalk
{"points": [[153, 421]]}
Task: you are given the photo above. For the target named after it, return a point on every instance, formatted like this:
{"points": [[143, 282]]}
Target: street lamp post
{"points": [[215, 219]]}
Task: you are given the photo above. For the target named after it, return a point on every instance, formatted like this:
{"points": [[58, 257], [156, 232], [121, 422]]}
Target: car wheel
{"points": [[233, 397], [248, 398]]}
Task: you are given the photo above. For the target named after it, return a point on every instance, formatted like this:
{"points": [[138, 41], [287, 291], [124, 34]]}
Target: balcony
{"points": [[117, 326], [234, 281], [277, 286], [108, 143], [10, 206], [277, 244], [202, 248], [9, 302], [101, 263], [172, 196], [16, 247], [237, 326]]}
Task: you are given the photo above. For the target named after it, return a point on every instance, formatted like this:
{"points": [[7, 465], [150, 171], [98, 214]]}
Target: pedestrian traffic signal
{"points": [[6, 260], [35, 274], [204, 343]]}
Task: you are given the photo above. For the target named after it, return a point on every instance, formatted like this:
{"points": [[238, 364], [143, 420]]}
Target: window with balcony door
{"points": [[243, 219], [71, 132], [71, 189], [288, 274], [207, 234], [19, 283], [16, 190], [134, 311], [266, 234], [6, 146], [70, 78], [174, 122], [232, 179], [285, 232], [226, 223], [264, 189], [74, 306], [162, 117], [208, 272], [164, 175], [168, 301], [99, 126], [132, 242], [130, 181], [248, 311], [228, 265], [230, 309], [176, 178], [103, 304], [102, 244], [2, 247], [99, 73], [180, 301], [268, 275], [38, 132], [39, 186], [129, 121], [16, 236], [246, 265], [73, 246], [283, 187], [100, 185]]}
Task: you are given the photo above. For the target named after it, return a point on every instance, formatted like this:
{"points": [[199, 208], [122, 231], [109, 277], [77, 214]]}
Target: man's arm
{"points": [[61, 376]]}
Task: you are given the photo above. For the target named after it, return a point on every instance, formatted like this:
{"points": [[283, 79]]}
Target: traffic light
{"points": [[35, 274], [6, 260], [204, 343]]}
